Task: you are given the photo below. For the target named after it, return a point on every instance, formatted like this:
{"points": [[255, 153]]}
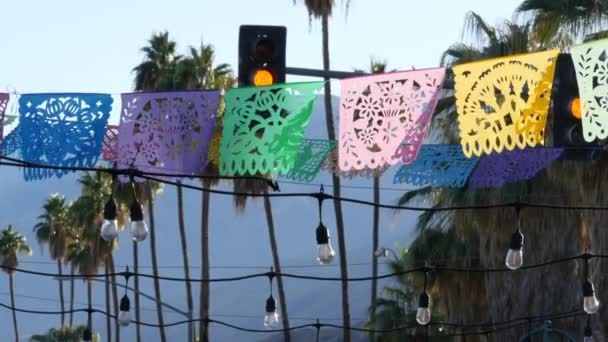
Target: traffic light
{"points": [[566, 112], [262, 55]]}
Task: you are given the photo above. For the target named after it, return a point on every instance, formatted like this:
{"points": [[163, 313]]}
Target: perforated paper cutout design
{"points": [[438, 165], [591, 65], [62, 130], [383, 118], [167, 132], [497, 170], [331, 165], [12, 142], [502, 103], [264, 127], [109, 149], [312, 154], [214, 149], [3, 104]]}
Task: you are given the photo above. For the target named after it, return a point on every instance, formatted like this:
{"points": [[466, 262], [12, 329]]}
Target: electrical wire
{"points": [[496, 326], [272, 274], [318, 195]]}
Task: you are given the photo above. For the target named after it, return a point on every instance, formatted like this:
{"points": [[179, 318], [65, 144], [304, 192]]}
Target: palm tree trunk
{"points": [[12, 290], [375, 238], [108, 309], [114, 297], [182, 234], [331, 133], [277, 266], [136, 294], [204, 300], [159, 309], [90, 301], [71, 295], [61, 298]]}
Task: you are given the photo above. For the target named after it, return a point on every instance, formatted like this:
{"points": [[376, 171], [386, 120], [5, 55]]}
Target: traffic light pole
{"points": [[448, 84]]}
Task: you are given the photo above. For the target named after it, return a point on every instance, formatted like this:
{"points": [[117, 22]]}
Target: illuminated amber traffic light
{"points": [[262, 77], [575, 108], [261, 55]]}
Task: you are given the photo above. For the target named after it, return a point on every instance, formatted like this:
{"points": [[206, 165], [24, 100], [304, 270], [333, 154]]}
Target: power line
{"points": [[222, 267], [496, 326], [271, 274], [321, 196]]}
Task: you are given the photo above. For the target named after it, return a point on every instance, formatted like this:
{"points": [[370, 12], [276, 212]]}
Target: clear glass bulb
{"points": [[591, 305], [325, 253], [124, 318], [109, 231], [423, 316], [271, 320], [139, 231], [515, 258]]}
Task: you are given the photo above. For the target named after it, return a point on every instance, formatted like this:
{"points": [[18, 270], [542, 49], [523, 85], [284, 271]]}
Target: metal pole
{"points": [[448, 83]]}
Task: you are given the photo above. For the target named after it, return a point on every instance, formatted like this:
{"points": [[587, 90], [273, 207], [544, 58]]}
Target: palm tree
{"points": [[11, 245], [323, 9], [564, 18], [157, 72], [63, 334], [52, 230], [198, 71], [376, 67]]}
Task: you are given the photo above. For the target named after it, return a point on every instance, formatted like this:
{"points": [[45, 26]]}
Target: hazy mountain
{"points": [[236, 240]]}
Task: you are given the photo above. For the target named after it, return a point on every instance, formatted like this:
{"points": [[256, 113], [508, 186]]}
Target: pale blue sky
{"points": [[91, 46]]}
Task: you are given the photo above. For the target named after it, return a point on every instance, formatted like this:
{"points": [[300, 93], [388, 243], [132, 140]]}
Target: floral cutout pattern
{"points": [[331, 165], [502, 103], [591, 65], [499, 169], [167, 132], [62, 130], [3, 104], [109, 149], [311, 156], [384, 117], [12, 143], [438, 165], [264, 127]]}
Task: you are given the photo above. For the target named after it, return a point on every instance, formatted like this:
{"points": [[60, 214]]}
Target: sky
{"points": [[87, 46], [78, 46]]}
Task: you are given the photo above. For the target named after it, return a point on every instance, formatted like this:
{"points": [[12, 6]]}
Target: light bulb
{"points": [[109, 231], [271, 318], [588, 339], [124, 317], [590, 303], [139, 231], [423, 314], [515, 255], [325, 252]]}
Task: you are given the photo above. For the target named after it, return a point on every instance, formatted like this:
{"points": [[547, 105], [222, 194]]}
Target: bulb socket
{"points": [[136, 210], [271, 305], [322, 234], [87, 335], [517, 241], [424, 301], [125, 304], [109, 210], [588, 289]]}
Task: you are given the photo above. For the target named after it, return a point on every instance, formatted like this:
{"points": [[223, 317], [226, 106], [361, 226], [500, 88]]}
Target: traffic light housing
{"points": [[261, 55], [566, 112]]}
